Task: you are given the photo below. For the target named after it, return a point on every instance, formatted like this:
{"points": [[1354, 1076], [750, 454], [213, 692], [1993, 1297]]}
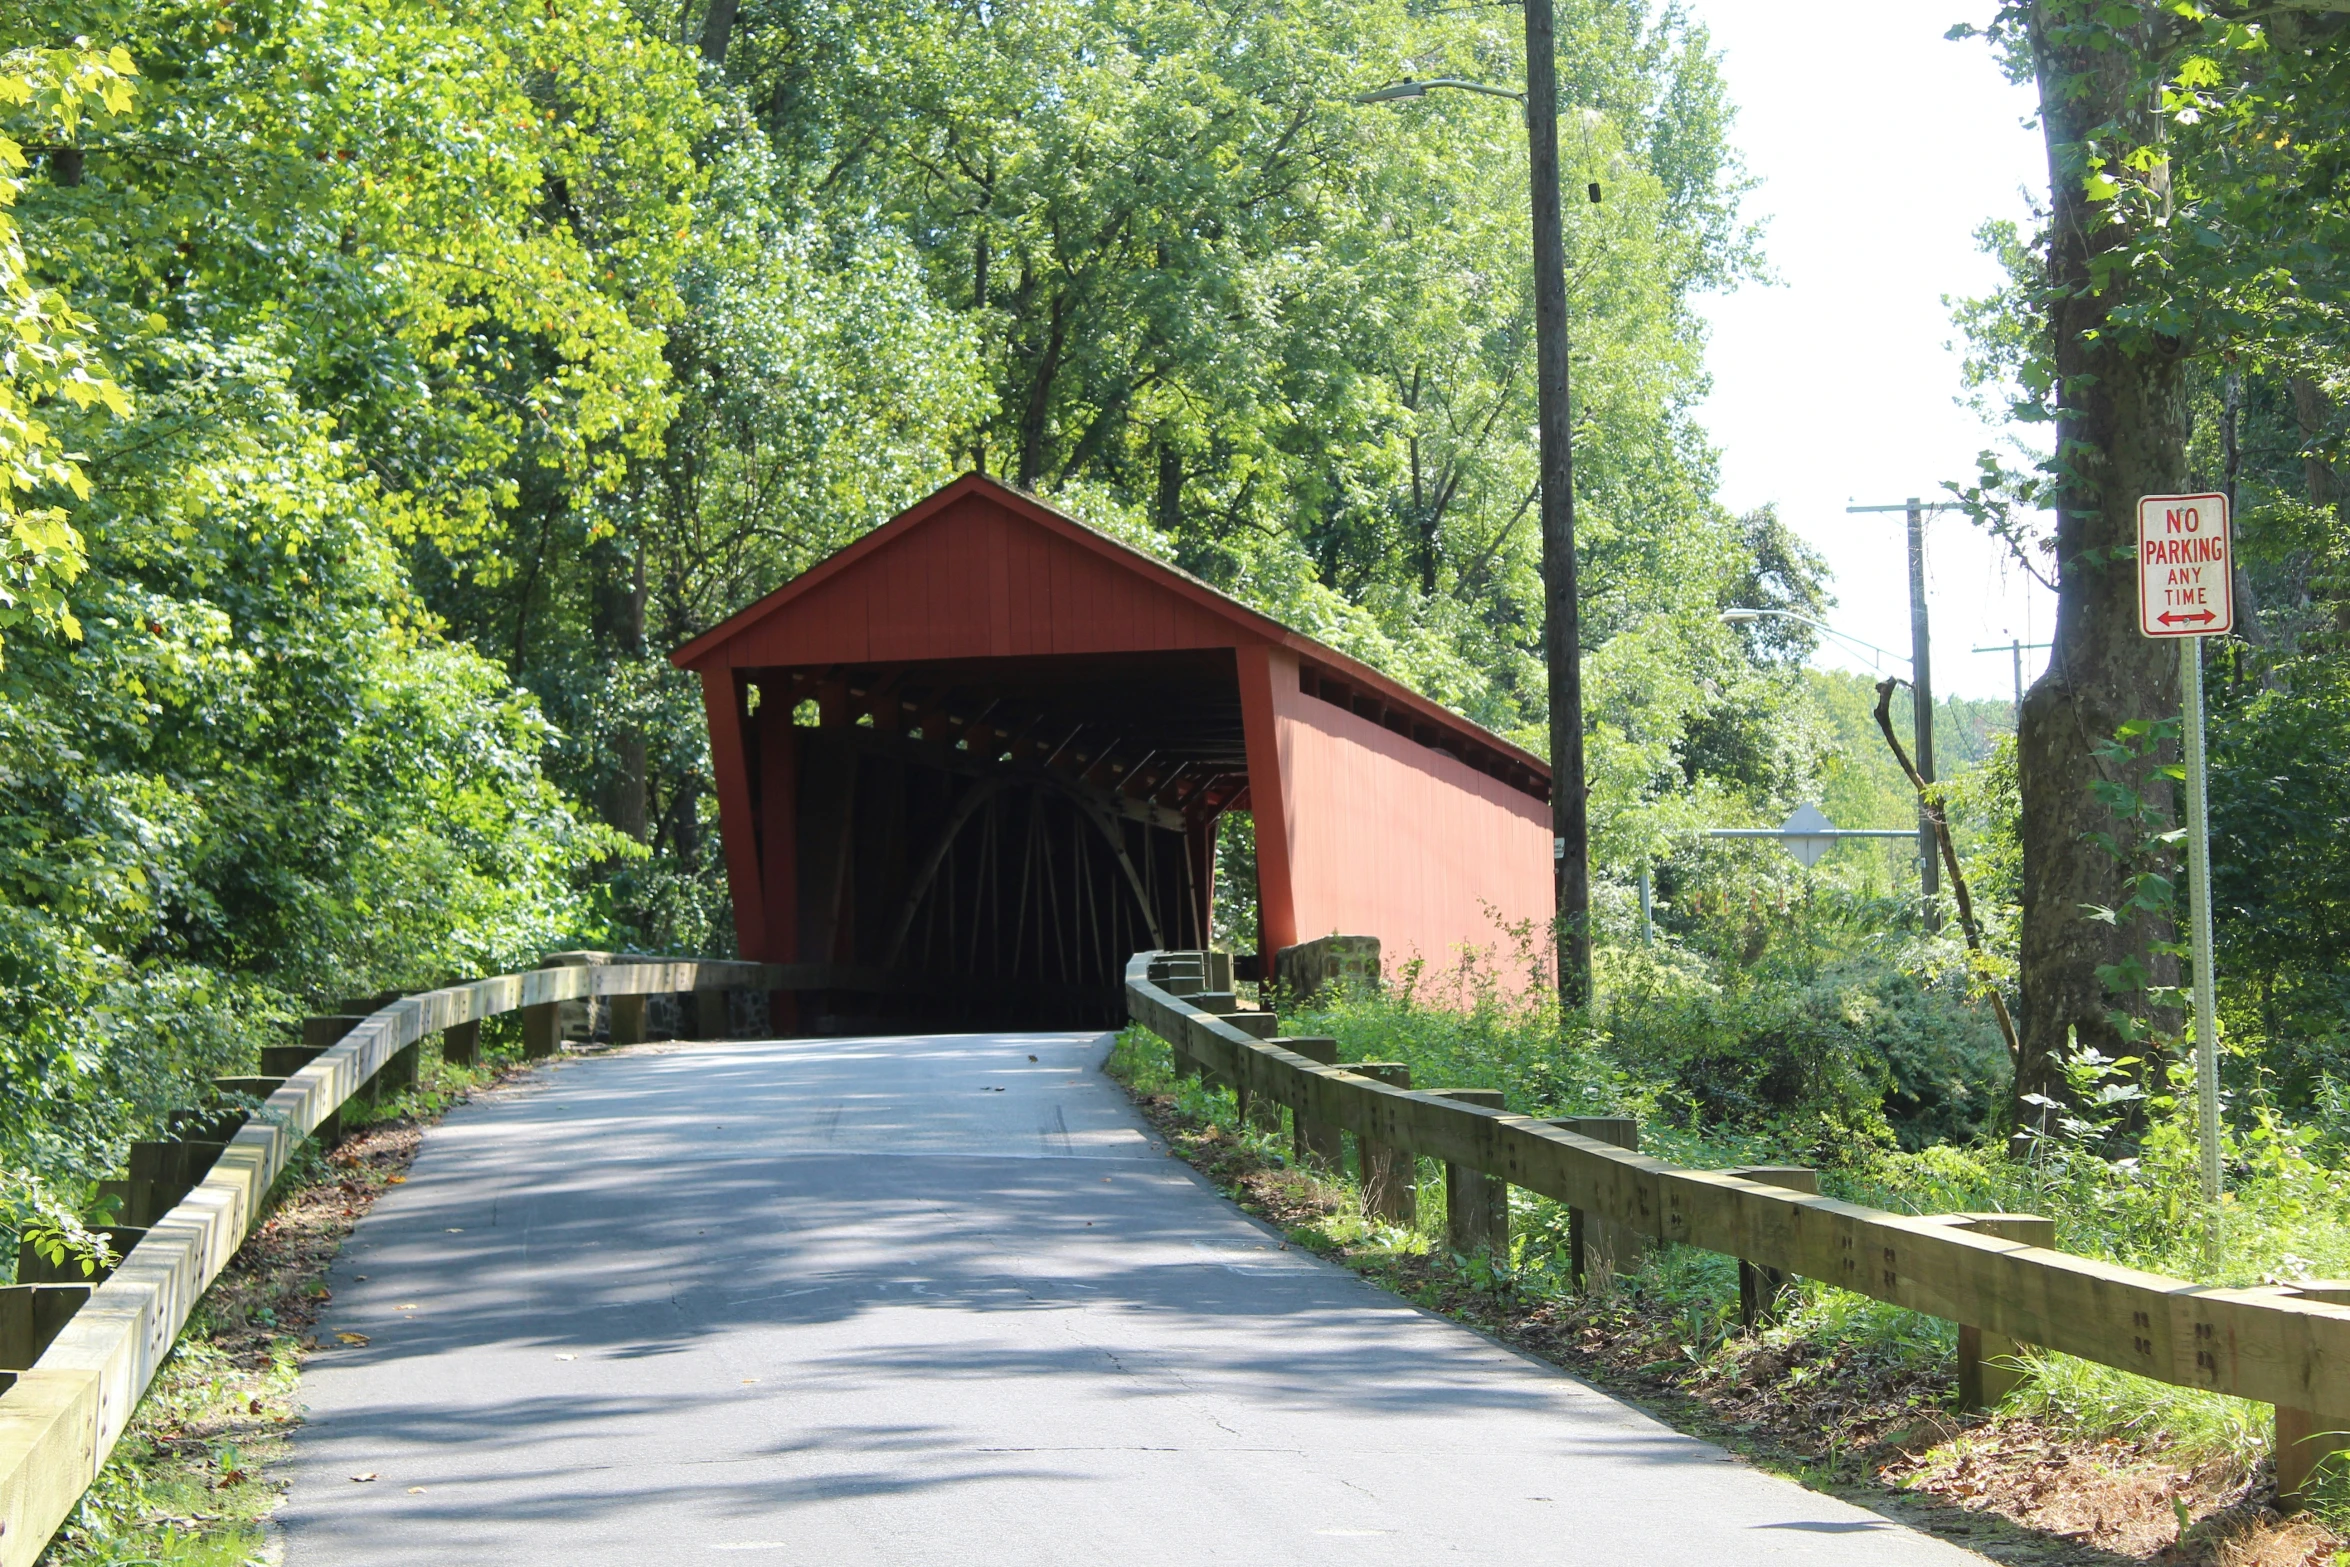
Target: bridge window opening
{"points": [[807, 715]]}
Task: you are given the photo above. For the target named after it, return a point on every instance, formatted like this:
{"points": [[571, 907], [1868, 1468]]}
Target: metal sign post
{"points": [[2186, 590]]}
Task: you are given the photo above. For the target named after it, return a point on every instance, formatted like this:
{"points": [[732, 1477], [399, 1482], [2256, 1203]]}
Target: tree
{"points": [[2113, 379], [2191, 239], [44, 343], [362, 272]]}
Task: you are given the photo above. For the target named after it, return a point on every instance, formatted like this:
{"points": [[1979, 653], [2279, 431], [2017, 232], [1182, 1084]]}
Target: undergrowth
{"points": [[2130, 1199], [1840, 1390]]}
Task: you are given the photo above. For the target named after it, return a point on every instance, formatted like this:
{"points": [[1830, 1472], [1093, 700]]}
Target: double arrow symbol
{"points": [[2169, 619]]}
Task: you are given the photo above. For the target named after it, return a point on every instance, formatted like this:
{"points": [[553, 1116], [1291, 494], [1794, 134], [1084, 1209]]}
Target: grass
{"points": [[2090, 1401]]}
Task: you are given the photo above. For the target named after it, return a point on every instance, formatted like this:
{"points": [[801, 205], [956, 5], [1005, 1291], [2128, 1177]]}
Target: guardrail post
{"points": [[404, 1068], [1256, 1110], [1986, 1361], [31, 1317], [1309, 1139], [712, 1019], [2306, 1438], [1391, 1188], [1184, 975], [1615, 1249], [282, 1062], [627, 1015], [461, 1043], [1760, 1288], [1476, 1205], [542, 1030]]}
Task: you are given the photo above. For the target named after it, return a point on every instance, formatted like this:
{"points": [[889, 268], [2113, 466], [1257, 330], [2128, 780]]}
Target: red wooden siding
{"points": [[977, 581], [1360, 829], [1378, 835]]}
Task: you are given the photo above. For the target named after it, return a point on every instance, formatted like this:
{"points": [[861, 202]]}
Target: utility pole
{"points": [[1561, 629], [2016, 651], [1562, 638], [1921, 691]]}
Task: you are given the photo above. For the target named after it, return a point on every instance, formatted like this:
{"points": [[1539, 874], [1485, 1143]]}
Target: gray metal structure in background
{"points": [[1807, 834]]}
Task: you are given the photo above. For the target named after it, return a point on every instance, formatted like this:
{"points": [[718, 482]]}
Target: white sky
{"points": [[1880, 147]]}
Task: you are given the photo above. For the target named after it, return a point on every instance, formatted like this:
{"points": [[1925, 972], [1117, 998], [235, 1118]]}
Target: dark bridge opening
{"points": [[984, 842]]}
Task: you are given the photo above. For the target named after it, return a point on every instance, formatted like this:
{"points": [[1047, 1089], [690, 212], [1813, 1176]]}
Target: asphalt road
{"points": [[937, 1300]]}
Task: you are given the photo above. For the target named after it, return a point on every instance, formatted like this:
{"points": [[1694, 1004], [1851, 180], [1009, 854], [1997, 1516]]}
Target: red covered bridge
{"points": [[975, 760]]}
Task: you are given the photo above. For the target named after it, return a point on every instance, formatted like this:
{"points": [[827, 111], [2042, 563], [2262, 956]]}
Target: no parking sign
{"points": [[2186, 573]]}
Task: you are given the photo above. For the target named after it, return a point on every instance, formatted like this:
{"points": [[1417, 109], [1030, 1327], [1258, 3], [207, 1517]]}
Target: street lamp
{"points": [[1396, 92], [1743, 616], [1561, 630]]}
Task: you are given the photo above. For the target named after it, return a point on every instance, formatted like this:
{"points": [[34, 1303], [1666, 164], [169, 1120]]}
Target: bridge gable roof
{"points": [[982, 570]]}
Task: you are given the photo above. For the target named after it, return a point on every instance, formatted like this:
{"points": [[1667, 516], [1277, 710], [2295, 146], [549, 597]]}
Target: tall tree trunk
{"points": [[620, 626], [1423, 525], [717, 27], [1169, 508], [2121, 433], [1037, 416]]}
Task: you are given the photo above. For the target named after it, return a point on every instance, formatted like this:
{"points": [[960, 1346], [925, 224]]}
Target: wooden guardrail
{"points": [[64, 1411], [2285, 1346]]}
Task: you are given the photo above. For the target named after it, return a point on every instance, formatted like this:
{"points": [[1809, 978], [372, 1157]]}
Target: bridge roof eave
{"points": [[708, 651]]}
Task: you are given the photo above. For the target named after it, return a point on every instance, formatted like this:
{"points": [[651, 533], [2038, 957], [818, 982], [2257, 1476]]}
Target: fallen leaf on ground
{"points": [[395, 1180], [566, 1357], [351, 1338], [416, 1490], [367, 1476]]}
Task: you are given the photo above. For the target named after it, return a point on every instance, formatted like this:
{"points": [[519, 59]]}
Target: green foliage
{"points": [[242, 769], [45, 349], [1290, 333], [1718, 1061], [2281, 876]]}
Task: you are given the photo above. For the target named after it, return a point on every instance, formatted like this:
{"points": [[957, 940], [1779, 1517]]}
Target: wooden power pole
{"points": [[1561, 628], [1921, 691]]}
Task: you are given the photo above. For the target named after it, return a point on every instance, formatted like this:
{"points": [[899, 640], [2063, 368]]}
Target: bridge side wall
{"points": [[1370, 832]]}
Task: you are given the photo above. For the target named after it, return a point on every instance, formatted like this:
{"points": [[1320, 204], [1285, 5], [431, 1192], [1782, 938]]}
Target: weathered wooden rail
{"points": [[2285, 1346], [82, 1351]]}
